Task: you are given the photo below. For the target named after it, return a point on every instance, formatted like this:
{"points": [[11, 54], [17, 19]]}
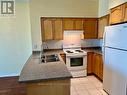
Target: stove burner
{"points": [[78, 50], [69, 51]]}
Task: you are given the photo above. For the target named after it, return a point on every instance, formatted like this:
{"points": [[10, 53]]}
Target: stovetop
{"points": [[74, 52]]}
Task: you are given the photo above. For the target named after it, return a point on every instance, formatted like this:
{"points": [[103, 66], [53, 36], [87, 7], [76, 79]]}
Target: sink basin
{"points": [[49, 58]]}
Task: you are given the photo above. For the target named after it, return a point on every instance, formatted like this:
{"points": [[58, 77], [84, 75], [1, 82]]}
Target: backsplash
{"points": [[55, 44]]}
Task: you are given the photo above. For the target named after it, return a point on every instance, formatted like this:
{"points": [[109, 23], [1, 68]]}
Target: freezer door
{"points": [[116, 36], [115, 71]]}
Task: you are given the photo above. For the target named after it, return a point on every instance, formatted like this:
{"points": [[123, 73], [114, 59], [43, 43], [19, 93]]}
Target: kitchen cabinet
{"points": [[95, 64], [68, 24], [118, 14], [51, 29], [125, 12], [90, 62], [102, 22], [78, 24], [63, 55], [49, 87], [98, 65], [90, 28], [58, 29], [73, 24], [47, 29]]}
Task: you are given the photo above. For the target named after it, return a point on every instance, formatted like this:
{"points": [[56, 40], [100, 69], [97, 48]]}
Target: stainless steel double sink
{"points": [[49, 58]]}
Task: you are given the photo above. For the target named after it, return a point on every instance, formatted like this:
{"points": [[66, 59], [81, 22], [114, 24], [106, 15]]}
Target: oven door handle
{"points": [[77, 56]]}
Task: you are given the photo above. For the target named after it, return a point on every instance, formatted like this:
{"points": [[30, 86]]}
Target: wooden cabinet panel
{"points": [[73, 24], [58, 30], [98, 65], [125, 12], [63, 55], [90, 62], [116, 14], [52, 28], [78, 24], [47, 30], [90, 28], [68, 24], [102, 22], [52, 87]]}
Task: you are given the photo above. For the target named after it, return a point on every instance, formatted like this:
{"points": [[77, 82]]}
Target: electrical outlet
{"points": [[35, 46]]}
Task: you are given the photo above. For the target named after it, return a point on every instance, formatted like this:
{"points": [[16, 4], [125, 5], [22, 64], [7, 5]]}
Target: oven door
{"points": [[76, 62]]}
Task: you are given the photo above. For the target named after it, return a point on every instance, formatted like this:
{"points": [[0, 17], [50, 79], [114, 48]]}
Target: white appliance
{"points": [[76, 59], [115, 59]]}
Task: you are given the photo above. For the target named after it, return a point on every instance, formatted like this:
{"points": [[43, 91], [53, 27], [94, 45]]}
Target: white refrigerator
{"points": [[115, 59]]}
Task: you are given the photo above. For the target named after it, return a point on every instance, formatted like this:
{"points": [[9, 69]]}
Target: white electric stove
{"points": [[76, 58]]}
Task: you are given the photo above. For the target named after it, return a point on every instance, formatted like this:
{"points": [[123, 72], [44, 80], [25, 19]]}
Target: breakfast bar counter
{"points": [[50, 78]]}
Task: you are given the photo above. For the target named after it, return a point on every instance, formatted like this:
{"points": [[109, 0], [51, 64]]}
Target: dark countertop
{"points": [[34, 71], [95, 50], [87, 49]]}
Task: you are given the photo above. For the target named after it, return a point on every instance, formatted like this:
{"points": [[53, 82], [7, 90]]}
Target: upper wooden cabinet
{"points": [[90, 28], [78, 24], [102, 22], [98, 65], [125, 12], [90, 62], [58, 29], [47, 29], [72, 24], [51, 29], [118, 14]]}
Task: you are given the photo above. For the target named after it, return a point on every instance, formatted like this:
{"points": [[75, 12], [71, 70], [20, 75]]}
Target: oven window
{"points": [[76, 62]]}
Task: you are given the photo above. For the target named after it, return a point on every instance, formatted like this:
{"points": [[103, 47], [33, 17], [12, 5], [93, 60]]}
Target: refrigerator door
{"points": [[115, 71], [116, 36]]}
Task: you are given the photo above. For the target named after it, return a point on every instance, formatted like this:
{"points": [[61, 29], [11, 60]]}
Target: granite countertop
{"points": [[87, 49], [96, 50], [34, 71]]}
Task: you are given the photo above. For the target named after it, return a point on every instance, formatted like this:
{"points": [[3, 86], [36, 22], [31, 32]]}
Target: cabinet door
{"points": [[47, 31], [58, 30], [63, 55], [90, 62], [102, 22], [68, 24], [98, 66], [125, 12], [116, 14], [78, 24], [90, 28], [101, 67]]}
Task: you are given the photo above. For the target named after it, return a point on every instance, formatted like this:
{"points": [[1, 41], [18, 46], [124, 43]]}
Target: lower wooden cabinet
{"points": [[95, 64], [51, 87], [98, 65], [63, 55], [90, 62]]}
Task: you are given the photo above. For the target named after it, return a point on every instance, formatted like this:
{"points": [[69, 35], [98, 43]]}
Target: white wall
{"points": [[103, 8], [58, 8], [113, 3], [15, 41]]}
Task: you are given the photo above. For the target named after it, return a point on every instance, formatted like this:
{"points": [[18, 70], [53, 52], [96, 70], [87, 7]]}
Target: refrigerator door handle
{"points": [[103, 44]]}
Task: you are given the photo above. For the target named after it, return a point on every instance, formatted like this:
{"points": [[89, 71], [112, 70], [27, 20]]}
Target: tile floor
{"points": [[89, 85]]}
